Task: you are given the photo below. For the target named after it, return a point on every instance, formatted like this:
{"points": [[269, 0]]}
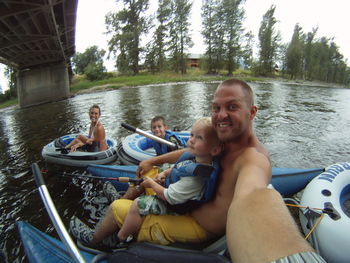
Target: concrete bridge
{"points": [[38, 38]]}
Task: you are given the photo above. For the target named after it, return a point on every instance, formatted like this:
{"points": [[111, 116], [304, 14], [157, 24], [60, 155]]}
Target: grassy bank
{"points": [[148, 78], [8, 103], [80, 83]]}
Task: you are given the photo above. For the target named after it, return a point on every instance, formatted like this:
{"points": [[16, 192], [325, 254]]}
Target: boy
{"points": [[160, 129], [187, 184]]}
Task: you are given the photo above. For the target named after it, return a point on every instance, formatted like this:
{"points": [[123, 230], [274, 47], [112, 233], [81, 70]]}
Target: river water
{"points": [[302, 126]]}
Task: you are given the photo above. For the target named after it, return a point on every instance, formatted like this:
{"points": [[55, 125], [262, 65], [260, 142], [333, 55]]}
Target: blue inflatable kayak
{"points": [[287, 181], [40, 247]]}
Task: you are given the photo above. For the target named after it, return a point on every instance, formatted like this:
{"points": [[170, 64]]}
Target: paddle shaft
{"points": [[148, 135], [54, 216], [121, 179]]}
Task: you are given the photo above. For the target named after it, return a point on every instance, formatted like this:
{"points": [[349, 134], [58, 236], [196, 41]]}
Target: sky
{"points": [[329, 16]]}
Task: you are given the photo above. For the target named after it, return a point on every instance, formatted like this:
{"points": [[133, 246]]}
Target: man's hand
{"points": [[144, 167]]}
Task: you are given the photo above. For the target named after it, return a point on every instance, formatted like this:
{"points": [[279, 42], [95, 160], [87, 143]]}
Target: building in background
{"points": [[193, 60]]}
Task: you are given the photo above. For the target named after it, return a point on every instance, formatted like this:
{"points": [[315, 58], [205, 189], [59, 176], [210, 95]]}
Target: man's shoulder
{"points": [[245, 155], [254, 152]]}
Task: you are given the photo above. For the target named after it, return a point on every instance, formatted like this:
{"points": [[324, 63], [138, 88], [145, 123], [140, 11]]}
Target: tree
{"points": [[232, 20], [247, 50], [222, 31], [294, 56], [268, 43], [10, 73], [126, 28], [92, 58], [209, 32], [180, 39], [308, 53], [155, 51]]}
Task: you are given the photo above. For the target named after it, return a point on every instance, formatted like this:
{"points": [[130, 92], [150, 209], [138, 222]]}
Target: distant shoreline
{"points": [[101, 86]]}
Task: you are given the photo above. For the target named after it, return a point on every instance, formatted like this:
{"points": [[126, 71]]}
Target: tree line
{"points": [[228, 45]]}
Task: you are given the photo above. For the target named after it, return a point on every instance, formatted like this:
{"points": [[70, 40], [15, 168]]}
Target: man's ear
{"points": [[253, 111]]}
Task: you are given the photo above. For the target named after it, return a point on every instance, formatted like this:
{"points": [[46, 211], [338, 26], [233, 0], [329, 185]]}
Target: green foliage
{"points": [[10, 73], [10, 95], [180, 39], [92, 57], [211, 35], [247, 50], [155, 59], [222, 33], [268, 44], [233, 17], [126, 28], [315, 59], [95, 72], [295, 54]]}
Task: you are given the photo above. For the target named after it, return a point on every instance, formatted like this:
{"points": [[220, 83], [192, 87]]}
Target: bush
{"points": [[95, 72]]}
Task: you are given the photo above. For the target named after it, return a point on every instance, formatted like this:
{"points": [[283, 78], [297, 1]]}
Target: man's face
{"points": [[231, 116]]}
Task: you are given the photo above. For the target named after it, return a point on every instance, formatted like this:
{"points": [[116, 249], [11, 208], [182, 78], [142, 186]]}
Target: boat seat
{"points": [[59, 143]]}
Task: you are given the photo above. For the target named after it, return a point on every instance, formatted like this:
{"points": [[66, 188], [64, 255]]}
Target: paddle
{"points": [[149, 135], [54, 216], [121, 179]]}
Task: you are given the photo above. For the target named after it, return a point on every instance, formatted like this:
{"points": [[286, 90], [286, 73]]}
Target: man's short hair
{"points": [[246, 88]]}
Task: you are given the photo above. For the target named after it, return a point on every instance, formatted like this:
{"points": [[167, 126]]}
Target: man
{"points": [[245, 170]]}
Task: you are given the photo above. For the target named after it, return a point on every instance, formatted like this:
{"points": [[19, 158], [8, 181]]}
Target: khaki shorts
{"points": [[162, 229]]}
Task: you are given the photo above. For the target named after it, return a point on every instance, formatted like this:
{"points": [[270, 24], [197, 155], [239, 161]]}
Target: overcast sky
{"points": [[330, 16]]}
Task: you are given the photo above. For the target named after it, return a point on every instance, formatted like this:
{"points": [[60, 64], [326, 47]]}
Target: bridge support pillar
{"points": [[42, 85]]}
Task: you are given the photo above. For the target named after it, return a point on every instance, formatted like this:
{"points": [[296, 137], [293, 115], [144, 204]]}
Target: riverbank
{"points": [[81, 86]]}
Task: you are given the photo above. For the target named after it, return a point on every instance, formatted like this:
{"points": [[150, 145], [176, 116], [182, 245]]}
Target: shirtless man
{"points": [[245, 170]]}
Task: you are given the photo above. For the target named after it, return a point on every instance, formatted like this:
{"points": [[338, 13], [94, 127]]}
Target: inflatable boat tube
{"points": [[134, 148], [53, 153], [329, 191]]}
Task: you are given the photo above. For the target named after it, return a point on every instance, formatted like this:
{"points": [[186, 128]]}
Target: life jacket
{"points": [[171, 137], [186, 167]]}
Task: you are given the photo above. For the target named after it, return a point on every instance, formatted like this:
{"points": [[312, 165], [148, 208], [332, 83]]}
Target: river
{"points": [[302, 126]]}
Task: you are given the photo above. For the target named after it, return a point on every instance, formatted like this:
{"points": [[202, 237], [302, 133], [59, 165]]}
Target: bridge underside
{"points": [[38, 38]]}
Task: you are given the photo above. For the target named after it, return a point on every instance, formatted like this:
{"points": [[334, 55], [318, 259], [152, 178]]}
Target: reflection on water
{"points": [[302, 126]]}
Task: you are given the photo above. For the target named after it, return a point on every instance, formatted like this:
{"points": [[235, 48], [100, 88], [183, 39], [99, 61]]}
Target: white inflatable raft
{"points": [[54, 153], [329, 191]]}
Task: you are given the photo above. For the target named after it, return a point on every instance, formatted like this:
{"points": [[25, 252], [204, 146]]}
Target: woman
{"points": [[96, 141]]}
